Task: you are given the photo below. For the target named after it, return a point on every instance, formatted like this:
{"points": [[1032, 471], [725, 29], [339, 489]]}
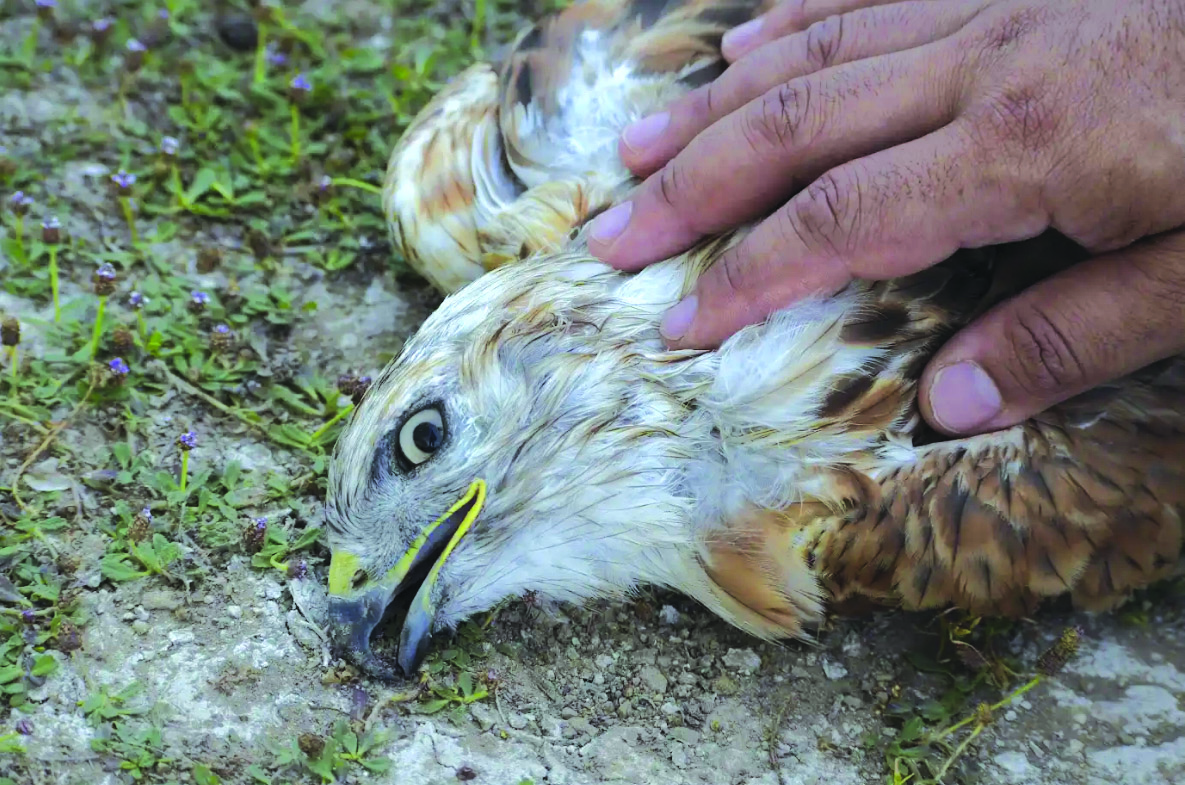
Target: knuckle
{"points": [[1005, 32], [825, 216], [823, 42], [782, 117], [672, 185], [1020, 116], [1044, 361]]}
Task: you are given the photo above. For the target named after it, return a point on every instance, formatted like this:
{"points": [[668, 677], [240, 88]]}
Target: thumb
{"points": [[1090, 324]]}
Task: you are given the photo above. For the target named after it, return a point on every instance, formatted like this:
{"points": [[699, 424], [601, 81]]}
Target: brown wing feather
{"points": [[1085, 500]]}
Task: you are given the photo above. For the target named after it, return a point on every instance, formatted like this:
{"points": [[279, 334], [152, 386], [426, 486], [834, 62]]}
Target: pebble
{"points": [[516, 720], [1075, 747], [834, 670], [1010, 715], [670, 709], [482, 715], [581, 725], [679, 756], [234, 611], [744, 660], [181, 636], [140, 627], [686, 735], [653, 679], [160, 600], [603, 661], [668, 615]]}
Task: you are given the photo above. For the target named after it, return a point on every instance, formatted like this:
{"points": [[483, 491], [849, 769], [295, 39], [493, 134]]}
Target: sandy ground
{"points": [[656, 691]]}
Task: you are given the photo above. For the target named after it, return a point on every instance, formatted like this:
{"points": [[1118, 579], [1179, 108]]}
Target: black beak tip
{"points": [[413, 643]]}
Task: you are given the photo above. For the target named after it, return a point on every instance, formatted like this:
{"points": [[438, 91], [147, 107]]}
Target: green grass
{"points": [[215, 165]]}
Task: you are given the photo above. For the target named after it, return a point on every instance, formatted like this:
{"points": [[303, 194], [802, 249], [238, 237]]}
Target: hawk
{"points": [[535, 435]]}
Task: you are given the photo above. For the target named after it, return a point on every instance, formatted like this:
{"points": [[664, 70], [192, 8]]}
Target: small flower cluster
{"points": [[1052, 660], [221, 338], [123, 182], [255, 535], [198, 301], [141, 526], [353, 386], [19, 203], [10, 331], [51, 231], [187, 441], [104, 280]]}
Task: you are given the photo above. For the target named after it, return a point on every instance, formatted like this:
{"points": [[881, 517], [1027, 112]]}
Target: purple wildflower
{"points": [[123, 180], [301, 84], [187, 441], [20, 202], [275, 56], [101, 28], [147, 513], [298, 570], [24, 727], [222, 328], [135, 46], [137, 300], [28, 616], [199, 298], [51, 231], [106, 271], [118, 367], [169, 145]]}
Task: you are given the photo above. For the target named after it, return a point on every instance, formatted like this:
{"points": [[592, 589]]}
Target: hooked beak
{"points": [[355, 610]]}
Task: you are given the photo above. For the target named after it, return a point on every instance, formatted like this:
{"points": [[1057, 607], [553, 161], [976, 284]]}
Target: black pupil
{"points": [[427, 436]]}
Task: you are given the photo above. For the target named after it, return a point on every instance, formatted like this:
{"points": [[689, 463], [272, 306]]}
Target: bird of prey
{"points": [[535, 435]]}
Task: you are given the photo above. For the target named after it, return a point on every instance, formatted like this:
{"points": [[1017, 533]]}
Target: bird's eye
{"points": [[420, 436]]}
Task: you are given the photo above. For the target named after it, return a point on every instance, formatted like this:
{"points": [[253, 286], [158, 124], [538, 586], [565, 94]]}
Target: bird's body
{"points": [[561, 449]]}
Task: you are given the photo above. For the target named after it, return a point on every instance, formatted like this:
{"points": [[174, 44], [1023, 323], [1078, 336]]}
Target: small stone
{"points": [[1010, 715], [834, 670], [140, 627], [624, 709], [160, 600], [679, 755], [745, 661], [178, 637], [234, 611], [687, 677], [670, 709], [481, 715], [1075, 747], [517, 721], [581, 725], [466, 773], [686, 735], [603, 661], [653, 679], [239, 32], [568, 713]]}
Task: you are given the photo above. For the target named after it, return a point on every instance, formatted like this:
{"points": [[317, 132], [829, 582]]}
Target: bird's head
{"points": [[510, 448]]}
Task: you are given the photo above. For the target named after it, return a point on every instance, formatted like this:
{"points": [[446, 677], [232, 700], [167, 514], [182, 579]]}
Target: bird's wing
{"points": [[1085, 500], [508, 159]]}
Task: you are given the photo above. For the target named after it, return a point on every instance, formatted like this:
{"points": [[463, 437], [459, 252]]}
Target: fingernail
{"points": [[678, 319], [641, 134], [606, 226], [741, 37], [964, 397]]}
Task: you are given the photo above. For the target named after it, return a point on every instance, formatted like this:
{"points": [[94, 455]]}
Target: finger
{"points": [[652, 141], [790, 16], [755, 158], [1090, 324], [892, 213]]}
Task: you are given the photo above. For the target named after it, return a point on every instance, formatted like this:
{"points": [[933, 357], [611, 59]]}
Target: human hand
{"points": [[918, 128]]}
